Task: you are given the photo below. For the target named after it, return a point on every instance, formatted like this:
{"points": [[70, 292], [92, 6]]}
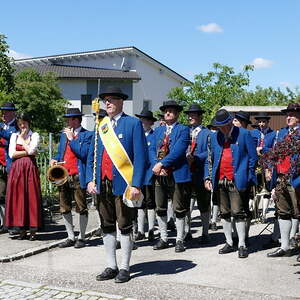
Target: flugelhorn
{"points": [[57, 174]]}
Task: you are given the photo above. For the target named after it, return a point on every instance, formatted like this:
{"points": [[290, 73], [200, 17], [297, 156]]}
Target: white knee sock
{"points": [[295, 225], [162, 224], [170, 211], [126, 249], [205, 222], [241, 231], [68, 219], [215, 212], [285, 230], [83, 220], [118, 234], [109, 241], [180, 229], [151, 218], [265, 206], [141, 220], [234, 234], [227, 227], [2, 214]]}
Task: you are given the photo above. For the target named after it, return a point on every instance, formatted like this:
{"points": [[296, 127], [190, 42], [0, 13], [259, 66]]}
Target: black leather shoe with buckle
{"points": [[160, 245], [277, 253], [179, 247], [226, 249], [107, 274], [66, 243], [243, 252], [123, 276]]}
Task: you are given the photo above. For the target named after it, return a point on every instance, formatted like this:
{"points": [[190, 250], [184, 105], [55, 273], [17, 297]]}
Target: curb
{"points": [[37, 250]]}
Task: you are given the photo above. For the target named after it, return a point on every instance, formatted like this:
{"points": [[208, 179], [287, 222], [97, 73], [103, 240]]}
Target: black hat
{"points": [[113, 91], [147, 114], [262, 115], [73, 112], [195, 108], [222, 118], [211, 126], [292, 107], [243, 116], [171, 103], [8, 106]]}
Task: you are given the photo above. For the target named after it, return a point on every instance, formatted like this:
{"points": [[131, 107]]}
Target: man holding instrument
{"points": [[72, 151], [120, 160]]}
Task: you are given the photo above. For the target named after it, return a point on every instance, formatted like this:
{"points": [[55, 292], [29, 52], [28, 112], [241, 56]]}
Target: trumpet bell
{"points": [[57, 175]]}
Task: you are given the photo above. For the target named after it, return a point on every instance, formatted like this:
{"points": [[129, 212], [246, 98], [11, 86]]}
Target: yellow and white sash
{"points": [[120, 159]]}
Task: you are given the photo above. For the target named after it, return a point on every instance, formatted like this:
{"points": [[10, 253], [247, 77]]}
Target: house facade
{"points": [[82, 76]]}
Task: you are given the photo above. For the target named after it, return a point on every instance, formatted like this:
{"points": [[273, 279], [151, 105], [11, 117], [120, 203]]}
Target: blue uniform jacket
{"points": [[200, 154], [270, 140], [130, 132], [179, 142], [6, 134], [149, 173], [256, 134], [80, 147], [244, 158]]}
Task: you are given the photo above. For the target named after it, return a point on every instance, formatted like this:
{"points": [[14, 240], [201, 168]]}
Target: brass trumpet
{"points": [[57, 174]]}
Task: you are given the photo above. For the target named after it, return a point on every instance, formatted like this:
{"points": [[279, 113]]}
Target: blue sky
{"points": [[188, 36]]}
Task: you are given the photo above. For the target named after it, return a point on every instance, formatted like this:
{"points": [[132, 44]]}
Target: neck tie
{"points": [[113, 122]]}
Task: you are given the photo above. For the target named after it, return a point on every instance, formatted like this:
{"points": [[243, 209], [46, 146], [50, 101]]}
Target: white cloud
{"points": [[261, 63], [210, 28], [16, 55]]}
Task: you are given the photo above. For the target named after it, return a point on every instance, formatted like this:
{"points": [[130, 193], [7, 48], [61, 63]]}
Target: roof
{"points": [[131, 50], [63, 71], [254, 108]]}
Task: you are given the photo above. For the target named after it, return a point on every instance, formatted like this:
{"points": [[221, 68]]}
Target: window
{"points": [[147, 104], [86, 104]]}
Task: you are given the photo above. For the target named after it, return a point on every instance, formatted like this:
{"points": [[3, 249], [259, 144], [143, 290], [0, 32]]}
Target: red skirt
{"points": [[23, 194]]}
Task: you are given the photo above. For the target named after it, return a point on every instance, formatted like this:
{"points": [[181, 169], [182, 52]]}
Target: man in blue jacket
{"points": [[110, 185], [172, 173], [7, 127], [147, 119], [234, 159], [72, 151], [286, 177], [196, 155]]}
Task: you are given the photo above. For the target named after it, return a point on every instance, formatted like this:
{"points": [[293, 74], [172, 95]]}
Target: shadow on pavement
{"points": [[161, 267]]}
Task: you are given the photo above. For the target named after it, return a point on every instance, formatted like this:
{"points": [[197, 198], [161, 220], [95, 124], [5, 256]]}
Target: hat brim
{"points": [[179, 108], [259, 118], [221, 124], [146, 117], [290, 110], [195, 111], [8, 108], [243, 119], [119, 95], [72, 115]]}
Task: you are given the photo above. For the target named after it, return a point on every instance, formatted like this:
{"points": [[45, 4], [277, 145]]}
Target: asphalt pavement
{"points": [[199, 272]]}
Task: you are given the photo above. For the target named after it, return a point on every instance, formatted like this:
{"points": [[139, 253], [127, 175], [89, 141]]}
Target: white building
{"points": [[83, 75]]}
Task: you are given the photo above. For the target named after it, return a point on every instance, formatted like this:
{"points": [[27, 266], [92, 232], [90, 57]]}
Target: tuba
{"points": [[57, 175]]}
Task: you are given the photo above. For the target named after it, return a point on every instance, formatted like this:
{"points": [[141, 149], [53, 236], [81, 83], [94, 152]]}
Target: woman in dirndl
{"points": [[23, 195]]}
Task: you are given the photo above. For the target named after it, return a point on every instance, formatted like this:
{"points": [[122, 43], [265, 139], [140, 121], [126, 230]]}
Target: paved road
{"points": [[199, 272]]}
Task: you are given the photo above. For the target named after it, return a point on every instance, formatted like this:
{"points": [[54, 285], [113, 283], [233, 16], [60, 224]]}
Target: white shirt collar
{"points": [[77, 130]]}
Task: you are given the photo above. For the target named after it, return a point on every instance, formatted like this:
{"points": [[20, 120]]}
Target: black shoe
{"points": [[243, 252], [118, 245], [13, 232], [123, 276], [171, 225], [226, 249], [188, 237], [107, 274], [140, 236], [213, 226], [79, 244], [151, 237], [160, 245], [277, 253], [271, 244], [66, 243], [179, 247], [204, 239], [22, 236]]}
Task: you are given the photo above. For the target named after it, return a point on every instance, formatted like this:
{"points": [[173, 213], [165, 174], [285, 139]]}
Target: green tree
{"points": [[219, 87], [6, 68], [40, 96]]}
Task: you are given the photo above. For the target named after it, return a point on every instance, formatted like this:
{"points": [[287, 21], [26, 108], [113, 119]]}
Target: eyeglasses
{"points": [[110, 99]]}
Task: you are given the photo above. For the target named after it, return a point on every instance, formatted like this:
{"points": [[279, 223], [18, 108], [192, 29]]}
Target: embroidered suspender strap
{"points": [[120, 159]]}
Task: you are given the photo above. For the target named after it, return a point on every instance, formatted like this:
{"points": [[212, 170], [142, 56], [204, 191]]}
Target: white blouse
{"points": [[33, 144]]}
